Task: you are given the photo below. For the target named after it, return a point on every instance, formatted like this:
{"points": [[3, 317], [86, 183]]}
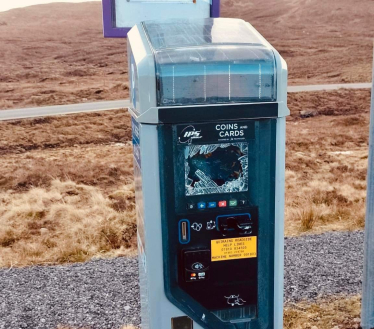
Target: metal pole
{"points": [[367, 311]]}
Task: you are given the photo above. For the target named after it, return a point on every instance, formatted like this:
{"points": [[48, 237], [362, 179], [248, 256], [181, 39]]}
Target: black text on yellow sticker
{"points": [[235, 248]]}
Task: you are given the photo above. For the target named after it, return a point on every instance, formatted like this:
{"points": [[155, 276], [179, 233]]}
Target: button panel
{"points": [[206, 205]]}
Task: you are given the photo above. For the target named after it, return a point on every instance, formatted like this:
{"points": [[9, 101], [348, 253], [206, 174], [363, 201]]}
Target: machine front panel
{"points": [[215, 229]]}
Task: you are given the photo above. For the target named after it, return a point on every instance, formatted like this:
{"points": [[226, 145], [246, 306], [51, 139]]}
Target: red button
{"points": [[222, 204]]}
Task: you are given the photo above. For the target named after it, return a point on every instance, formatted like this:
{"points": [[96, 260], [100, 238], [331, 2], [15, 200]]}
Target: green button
{"points": [[233, 203]]}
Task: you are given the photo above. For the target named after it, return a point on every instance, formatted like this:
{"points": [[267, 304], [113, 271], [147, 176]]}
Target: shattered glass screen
{"points": [[216, 168]]}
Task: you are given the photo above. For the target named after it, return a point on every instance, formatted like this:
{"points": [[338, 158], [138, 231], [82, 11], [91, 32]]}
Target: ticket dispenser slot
{"points": [[235, 224]]}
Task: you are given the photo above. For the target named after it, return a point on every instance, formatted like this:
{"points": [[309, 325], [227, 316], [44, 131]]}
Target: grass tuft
{"points": [[308, 218], [339, 313], [66, 222]]}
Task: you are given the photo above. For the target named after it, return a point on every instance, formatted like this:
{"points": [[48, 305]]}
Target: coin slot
{"points": [[184, 231]]}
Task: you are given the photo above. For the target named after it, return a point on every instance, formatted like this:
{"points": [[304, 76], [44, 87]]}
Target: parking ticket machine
{"points": [[208, 117]]}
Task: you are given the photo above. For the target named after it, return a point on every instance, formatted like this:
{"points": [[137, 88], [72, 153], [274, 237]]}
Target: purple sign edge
{"points": [[110, 31]]}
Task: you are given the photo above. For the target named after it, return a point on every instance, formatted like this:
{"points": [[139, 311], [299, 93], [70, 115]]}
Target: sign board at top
{"points": [[119, 16]]}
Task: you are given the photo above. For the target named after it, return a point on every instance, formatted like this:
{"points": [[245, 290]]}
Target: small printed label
{"points": [[236, 248], [136, 142]]}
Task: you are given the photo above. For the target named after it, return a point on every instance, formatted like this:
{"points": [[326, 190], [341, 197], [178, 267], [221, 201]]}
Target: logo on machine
{"points": [[188, 134], [235, 300]]}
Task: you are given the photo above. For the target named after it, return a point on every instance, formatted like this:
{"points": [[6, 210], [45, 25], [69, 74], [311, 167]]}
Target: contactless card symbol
{"points": [[188, 134], [197, 266], [235, 300], [196, 226]]}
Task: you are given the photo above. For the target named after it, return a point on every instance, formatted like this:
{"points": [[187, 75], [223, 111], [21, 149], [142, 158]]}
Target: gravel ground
{"points": [[105, 293], [98, 294], [323, 265]]}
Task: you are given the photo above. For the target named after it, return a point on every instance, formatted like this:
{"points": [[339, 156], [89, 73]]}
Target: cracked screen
{"points": [[216, 168]]}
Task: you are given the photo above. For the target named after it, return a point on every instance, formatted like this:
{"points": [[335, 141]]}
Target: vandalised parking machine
{"points": [[208, 115]]}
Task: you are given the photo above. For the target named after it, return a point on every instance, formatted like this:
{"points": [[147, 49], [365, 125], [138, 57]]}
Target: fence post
{"points": [[367, 311]]}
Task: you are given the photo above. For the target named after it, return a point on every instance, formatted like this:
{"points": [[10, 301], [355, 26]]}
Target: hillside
{"points": [[55, 53], [55, 171], [322, 41]]}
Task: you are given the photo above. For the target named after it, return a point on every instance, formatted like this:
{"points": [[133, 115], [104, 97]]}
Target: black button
{"points": [[191, 206], [243, 202]]}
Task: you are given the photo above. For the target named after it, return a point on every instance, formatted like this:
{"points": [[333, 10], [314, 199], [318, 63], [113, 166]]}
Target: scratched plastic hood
{"points": [[210, 61]]}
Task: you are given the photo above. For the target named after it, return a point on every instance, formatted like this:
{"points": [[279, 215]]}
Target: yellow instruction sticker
{"points": [[236, 248]]}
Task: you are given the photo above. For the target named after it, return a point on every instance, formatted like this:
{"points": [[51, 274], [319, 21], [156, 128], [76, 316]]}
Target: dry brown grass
{"points": [[105, 166], [44, 215], [66, 222], [326, 161], [64, 131], [63, 60], [333, 103], [326, 173], [66, 189], [337, 313], [325, 177]]}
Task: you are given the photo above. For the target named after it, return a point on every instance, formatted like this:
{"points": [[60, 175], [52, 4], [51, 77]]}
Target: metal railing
{"points": [[367, 312]]}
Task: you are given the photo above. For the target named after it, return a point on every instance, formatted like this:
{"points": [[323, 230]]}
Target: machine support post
{"points": [[367, 311]]}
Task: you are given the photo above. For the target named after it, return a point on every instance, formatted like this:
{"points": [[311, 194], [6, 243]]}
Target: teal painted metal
{"points": [[262, 154]]}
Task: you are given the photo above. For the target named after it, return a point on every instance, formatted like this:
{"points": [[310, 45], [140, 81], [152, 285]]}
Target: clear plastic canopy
{"points": [[209, 61]]}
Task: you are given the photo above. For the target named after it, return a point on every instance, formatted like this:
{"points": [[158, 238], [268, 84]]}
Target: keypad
{"points": [[202, 205]]}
